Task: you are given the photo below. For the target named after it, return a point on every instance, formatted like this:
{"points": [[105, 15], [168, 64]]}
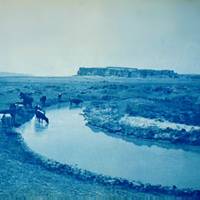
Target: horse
{"points": [[40, 115], [27, 100], [59, 97], [75, 101], [13, 111], [7, 120], [38, 107], [43, 100], [20, 108]]}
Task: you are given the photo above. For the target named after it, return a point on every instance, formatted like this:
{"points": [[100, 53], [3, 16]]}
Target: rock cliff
{"points": [[126, 72]]}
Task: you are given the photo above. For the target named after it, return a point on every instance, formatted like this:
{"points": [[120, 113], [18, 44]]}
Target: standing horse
{"points": [[59, 97], [75, 101], [7, 120], [13, 111], [40, 115], [27, 100], [43, 100], [20, 108]]}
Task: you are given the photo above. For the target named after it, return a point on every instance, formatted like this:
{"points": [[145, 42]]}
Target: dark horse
{"points": [[59, 97], [43, 100], [27, 100], [13, 111], [40, 115], [75, 101]]}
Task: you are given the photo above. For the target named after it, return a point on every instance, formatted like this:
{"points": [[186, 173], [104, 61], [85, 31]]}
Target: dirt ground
{"points": [[23, 177]]}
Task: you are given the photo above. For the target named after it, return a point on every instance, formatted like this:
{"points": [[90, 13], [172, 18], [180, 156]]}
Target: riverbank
{"points": [[45, 176], [131, 126]]}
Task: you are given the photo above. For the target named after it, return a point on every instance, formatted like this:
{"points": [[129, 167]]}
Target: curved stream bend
{"points": [[68, 140]]}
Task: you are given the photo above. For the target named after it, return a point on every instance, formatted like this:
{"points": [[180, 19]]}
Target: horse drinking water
{"points": [[40, 115]]}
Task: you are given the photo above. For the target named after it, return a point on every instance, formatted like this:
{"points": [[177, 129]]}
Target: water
{"points": [[68, 140]]}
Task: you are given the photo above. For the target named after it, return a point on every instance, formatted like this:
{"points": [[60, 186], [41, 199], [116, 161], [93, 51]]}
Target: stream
{"points": [[68, 140]]}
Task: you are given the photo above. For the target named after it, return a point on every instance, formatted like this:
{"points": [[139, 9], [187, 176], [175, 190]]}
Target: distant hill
{"points": [[2, 74]]}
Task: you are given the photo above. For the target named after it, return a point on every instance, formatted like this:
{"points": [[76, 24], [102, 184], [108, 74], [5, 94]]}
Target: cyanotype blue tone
{"points": [[68, 140]]}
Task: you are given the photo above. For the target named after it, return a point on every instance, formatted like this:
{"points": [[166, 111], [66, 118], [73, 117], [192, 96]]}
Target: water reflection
{"points": [[151, 143], [148, 142], [39, 126], [68, 140]]}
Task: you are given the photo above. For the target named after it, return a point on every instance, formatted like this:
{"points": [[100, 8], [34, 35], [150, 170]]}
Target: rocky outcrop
{"points": [[126, 72]]}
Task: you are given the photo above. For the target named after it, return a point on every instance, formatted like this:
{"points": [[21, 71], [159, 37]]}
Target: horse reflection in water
{"points": [[40, 127]]}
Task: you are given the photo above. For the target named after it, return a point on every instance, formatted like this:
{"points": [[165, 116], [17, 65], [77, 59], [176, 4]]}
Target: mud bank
{"points": [[109, 120]]}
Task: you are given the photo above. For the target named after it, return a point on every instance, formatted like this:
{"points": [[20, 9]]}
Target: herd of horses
{"points": [[8, 116]]}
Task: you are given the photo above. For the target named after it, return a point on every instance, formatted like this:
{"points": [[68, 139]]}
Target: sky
{"points": [[56, 37]]}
